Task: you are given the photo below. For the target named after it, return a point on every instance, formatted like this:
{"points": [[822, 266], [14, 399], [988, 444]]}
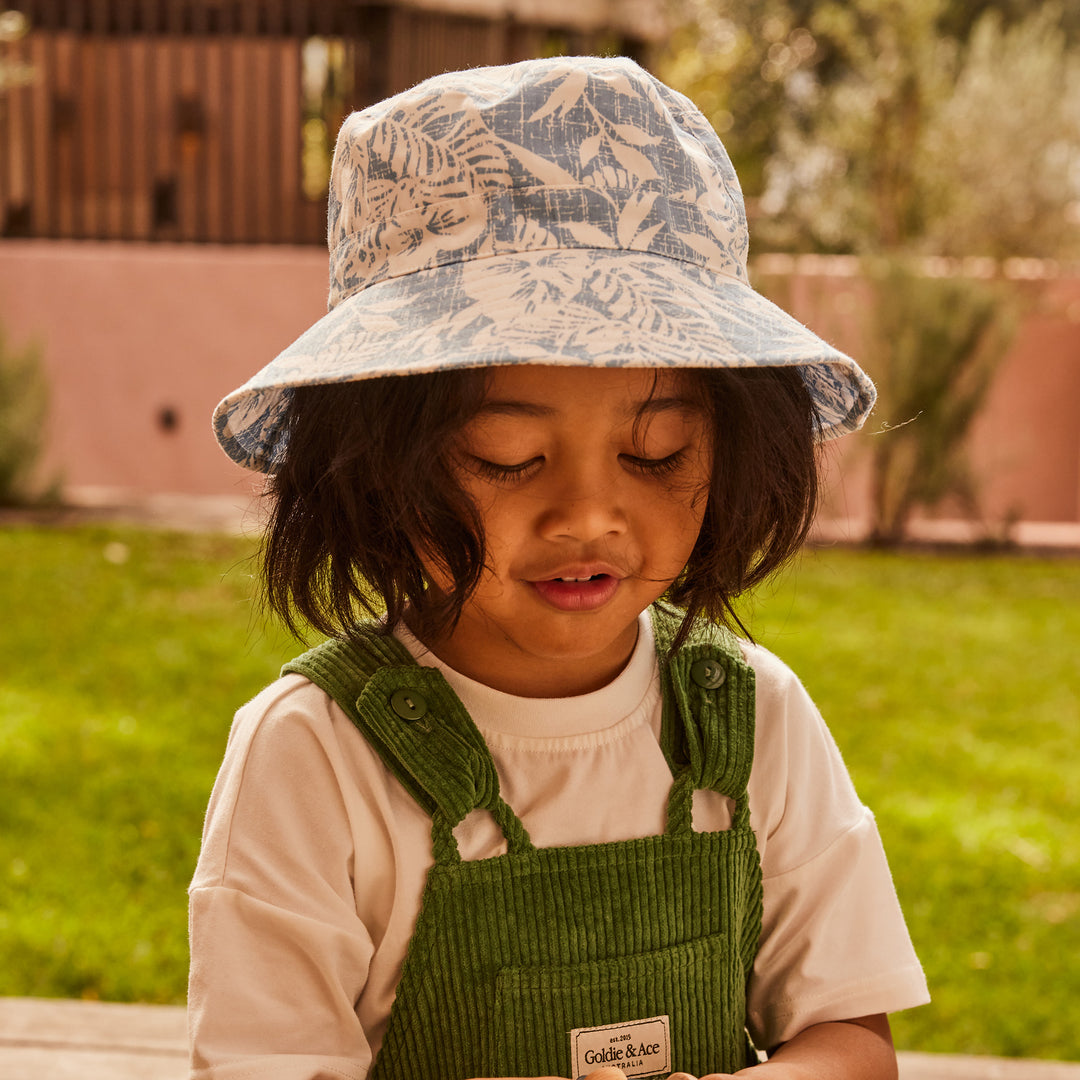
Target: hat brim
{"points": [[582, 307]]}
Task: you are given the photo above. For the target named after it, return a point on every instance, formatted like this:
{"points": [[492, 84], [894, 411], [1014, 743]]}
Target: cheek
{"points": [[691, 517], [685, 513], [502, 519], [687, 495], [671, 522], [701, 485]]}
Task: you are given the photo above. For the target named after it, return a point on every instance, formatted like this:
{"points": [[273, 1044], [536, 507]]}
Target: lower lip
{"points": [[578, 595]]}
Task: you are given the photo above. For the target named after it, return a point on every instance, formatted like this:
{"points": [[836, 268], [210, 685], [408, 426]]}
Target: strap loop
{"points": [[419, 728], [707, 732]]}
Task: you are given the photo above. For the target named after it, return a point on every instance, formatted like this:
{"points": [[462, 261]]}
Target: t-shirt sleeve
{"points": [[834, 945], [279, 954]]}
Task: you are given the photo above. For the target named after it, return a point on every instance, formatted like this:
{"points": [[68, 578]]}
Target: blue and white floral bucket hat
{"points": [[565, 211]]}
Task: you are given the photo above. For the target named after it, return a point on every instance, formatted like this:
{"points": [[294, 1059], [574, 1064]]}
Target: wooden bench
{"points": [[44, 1039]]}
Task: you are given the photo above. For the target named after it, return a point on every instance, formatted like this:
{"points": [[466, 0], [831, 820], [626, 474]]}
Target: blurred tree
{"points": [[921, 143], [1001, 153], [844, 172], [23, 408], [960, 16], [743, 60], [892, 129], [866, 125]]}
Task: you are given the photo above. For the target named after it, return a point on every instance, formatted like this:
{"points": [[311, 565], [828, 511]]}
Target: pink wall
{"points": [[1027, 441], [130, 329], [1025, 444]]}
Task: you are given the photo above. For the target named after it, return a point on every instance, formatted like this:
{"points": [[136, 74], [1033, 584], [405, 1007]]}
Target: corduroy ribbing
{"points": [[509, 954]]}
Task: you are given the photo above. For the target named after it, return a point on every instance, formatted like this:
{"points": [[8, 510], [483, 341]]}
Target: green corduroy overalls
{"points": [[554, 961]]}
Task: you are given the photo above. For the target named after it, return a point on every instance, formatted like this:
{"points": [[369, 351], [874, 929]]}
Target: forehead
{"points": [[543, 389]]}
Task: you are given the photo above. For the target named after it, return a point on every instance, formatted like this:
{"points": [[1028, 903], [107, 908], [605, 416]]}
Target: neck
{"points": [[514, 670]]}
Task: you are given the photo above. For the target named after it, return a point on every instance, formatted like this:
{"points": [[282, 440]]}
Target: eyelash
{"points": [[658, 466], [504, 474]]}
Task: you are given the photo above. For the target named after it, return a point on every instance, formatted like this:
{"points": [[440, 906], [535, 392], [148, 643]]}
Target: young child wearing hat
{"points": [[539, 812]]}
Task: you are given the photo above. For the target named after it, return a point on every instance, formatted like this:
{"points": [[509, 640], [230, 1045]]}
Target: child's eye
{"points": [[656, 466], [491, 470]]}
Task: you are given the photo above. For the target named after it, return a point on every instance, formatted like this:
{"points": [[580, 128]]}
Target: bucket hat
{"points": [[566, 211]]}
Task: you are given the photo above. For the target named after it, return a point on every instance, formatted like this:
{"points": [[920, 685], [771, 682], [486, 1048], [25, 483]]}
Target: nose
{"points": [[583, 503]]}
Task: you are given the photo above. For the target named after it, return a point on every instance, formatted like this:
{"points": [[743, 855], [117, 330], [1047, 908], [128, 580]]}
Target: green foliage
{"points": [[860, 131], [1001, 153], [737, 62], [24, 404], [945, 147], [961, 15], [951, 685], [872, 126], [939, 342]]}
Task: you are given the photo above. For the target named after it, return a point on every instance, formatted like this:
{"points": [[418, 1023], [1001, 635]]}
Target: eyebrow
{"points": [[501, 407], [665, 404]]}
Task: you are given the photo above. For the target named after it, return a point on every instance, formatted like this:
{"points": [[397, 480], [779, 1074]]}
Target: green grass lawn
{"points": [[952, 686], [950, 682], [124, 654]]}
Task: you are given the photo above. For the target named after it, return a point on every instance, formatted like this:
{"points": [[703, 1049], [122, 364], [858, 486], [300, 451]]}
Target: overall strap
{"points": [[707, 732], [419, 728]]}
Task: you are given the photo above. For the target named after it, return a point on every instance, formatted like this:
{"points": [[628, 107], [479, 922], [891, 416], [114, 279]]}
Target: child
{"points": [[546, 816]]}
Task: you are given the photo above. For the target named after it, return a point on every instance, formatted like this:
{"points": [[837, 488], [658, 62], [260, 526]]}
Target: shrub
{"points": [[937, 343], [24, 402]]}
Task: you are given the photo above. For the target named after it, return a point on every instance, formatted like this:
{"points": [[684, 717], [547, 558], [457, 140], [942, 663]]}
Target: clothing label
{"points": [[638, 1047]]}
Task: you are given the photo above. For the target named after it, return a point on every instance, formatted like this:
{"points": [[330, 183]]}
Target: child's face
{"points": [[596, 474]]}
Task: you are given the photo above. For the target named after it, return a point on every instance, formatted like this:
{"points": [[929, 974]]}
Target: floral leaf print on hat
{"points": [[565, 211]]}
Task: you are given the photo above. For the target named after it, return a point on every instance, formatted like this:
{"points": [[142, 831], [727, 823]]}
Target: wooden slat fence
{"points": [[158, 120]]}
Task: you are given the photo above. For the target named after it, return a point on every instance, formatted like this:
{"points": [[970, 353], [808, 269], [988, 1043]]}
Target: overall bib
{"points": [[554, 961]]}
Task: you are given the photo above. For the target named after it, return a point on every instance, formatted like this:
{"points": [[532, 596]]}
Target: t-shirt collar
{"points": [[506, 714]]}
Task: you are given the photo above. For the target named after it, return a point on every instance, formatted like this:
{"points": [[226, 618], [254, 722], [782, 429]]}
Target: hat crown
{"points": [[573, 152], [566, 211]]}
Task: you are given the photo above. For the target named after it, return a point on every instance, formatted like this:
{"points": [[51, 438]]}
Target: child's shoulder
{"points": [[291, 703], [294, 764], [289, 727], [772, 675], [802, 799], [792, 740]]}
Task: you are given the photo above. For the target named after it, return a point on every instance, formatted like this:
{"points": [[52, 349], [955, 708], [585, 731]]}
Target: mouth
{"points": [[578, 592]]}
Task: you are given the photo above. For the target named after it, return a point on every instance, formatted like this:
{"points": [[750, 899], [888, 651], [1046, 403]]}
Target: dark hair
{"points": [[367, 486], [763, 490]]}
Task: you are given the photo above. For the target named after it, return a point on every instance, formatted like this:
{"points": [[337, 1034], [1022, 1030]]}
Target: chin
{"points": [[574, 646]]}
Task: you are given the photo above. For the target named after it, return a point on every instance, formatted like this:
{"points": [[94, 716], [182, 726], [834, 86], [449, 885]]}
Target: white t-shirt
{"points": [[314, 860]]}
